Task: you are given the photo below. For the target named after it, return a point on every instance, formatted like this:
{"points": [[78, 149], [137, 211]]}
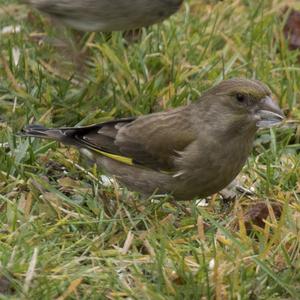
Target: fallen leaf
{"points": [[5, 286], [259, 212], [291, 29]]}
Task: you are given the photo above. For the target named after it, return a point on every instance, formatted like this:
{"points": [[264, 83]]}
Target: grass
{"points": [[65, 235]]}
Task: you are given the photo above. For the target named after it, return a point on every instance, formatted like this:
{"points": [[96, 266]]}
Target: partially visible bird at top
{"points": [[191, 151], [107, 15]]}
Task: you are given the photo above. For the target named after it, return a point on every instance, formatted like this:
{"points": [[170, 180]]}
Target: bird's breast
{"points": [[214, 168]]}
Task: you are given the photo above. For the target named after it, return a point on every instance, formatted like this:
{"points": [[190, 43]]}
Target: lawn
{"points": [[68, 232]]}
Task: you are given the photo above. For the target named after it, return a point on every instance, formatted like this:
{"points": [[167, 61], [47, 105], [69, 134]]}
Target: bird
{"points": [[189, 152], [107, 15]]}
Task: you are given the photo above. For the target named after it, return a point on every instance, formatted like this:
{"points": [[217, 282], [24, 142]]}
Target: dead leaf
{"points": [[259, 212], [5, 286], [291, 29]]}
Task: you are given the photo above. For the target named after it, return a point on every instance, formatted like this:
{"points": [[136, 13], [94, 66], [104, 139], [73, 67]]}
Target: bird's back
{"points": [[108, 15]]}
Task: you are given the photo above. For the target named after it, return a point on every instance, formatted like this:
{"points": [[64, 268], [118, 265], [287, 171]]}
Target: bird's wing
{"points": [[152, 141], [155, 140]]}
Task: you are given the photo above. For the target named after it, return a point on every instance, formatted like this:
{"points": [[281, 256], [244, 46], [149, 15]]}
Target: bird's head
{"points": [[248, 103]]}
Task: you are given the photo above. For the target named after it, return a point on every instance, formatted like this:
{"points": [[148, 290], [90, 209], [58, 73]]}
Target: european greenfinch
{"points": [[191, 151], [107, 15]]}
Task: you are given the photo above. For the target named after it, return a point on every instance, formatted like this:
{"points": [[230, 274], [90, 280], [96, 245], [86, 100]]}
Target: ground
{"points": [[66, 235]]}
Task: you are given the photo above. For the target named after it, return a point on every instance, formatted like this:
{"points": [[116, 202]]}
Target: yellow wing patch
{"points": [[120, 158]]}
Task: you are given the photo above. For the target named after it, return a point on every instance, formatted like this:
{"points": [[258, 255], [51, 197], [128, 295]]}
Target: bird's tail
{"points": [[42, 132]]}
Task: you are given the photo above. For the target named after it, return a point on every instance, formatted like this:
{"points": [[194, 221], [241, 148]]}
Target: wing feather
{"points": [[153, 141]]}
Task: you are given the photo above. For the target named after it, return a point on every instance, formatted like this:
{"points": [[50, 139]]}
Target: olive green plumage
{"points": [[192, 151], [107, 15]]}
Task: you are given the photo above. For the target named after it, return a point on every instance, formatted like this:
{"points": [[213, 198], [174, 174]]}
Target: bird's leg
{"points": [[133, 36], [178, 205], [233, 190]]}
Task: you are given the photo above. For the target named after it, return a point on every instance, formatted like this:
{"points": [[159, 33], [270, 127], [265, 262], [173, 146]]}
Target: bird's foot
{"points": [[233, 191]]}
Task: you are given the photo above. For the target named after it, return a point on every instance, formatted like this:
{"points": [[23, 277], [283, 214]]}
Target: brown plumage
{"points": [[191, 151], [107, 15]]}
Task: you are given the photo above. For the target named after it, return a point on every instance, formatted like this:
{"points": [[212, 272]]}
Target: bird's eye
{"points": [[240, 97]]}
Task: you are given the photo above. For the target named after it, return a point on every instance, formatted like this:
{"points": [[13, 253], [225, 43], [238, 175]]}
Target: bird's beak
{"points": [[268, 113]]}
